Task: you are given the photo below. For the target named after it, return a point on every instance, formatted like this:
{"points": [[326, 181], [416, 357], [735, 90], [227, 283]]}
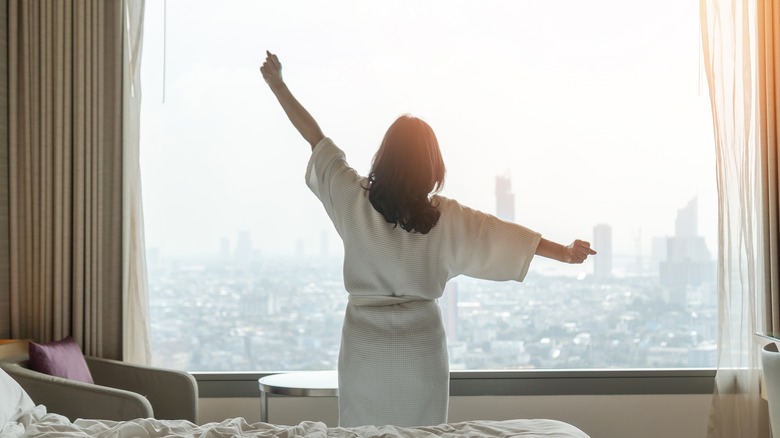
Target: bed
{"points": [[20, 417]]}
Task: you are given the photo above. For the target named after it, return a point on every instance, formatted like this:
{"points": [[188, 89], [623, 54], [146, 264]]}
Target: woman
{"points": [[402, 242]]}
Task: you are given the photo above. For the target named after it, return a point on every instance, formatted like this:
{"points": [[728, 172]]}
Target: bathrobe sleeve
{"points": [[483, 246], [332, 180]]}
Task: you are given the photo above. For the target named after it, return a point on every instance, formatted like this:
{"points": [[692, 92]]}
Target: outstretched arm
{"points": [[300, 118], [577, 252]]}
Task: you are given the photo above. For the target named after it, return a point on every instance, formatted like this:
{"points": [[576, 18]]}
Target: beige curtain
{"points": [[65, 171], [768, 39], [728, 40], [5, 235]]}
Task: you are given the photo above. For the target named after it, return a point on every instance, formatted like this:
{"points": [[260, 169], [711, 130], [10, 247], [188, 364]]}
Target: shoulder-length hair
{"points": [[406, 171]]}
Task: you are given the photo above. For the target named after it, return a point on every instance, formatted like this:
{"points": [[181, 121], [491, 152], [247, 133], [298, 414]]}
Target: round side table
{"points": [[297, 384]]}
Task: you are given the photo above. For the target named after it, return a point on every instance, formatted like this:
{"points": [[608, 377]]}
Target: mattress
{"points": [[38, 423]]}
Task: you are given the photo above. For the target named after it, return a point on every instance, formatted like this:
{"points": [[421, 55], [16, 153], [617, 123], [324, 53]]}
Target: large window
{"points": [[577, 119]]}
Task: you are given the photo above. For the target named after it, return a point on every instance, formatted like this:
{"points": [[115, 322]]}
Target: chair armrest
{"points": [[75, 399], [173, 394]]}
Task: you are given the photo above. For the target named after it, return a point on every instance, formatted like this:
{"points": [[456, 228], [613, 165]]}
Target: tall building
{"points": [[688, 261], [602, 242], [686, 224], [505, 198]]}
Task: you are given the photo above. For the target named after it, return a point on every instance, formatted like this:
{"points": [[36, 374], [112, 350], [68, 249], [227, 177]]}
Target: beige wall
{"points": [[607, 416]]}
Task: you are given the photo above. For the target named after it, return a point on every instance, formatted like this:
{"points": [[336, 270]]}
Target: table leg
{"points": [[263, 406]]}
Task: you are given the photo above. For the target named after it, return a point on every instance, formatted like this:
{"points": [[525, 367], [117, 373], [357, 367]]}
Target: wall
{"points": [[604, 416]]}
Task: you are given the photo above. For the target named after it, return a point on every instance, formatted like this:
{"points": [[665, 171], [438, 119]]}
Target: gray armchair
{"points": [[121, 391]]}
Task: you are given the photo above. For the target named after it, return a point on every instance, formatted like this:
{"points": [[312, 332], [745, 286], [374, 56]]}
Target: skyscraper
{"points": [[688, 261], [602, 242], [505, 198], [686, 224]]}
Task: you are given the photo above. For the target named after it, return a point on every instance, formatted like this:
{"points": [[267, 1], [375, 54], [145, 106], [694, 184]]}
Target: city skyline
{"points": [[284, 314], [627, 238], [684, 244], [630, 242], [661, 316]]}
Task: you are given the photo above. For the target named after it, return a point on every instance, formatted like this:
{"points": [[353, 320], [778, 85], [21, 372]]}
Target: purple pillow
{"points": [[62, 358]]}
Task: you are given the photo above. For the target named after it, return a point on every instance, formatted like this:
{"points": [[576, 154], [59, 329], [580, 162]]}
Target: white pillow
{"points": [[14, 400]]}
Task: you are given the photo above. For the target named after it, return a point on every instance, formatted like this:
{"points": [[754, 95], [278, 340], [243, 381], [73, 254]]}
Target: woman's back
{"points": [[383, 259]]}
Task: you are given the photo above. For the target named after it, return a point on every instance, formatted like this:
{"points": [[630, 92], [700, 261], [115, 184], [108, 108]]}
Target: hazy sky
{"points": [[597, 109]]}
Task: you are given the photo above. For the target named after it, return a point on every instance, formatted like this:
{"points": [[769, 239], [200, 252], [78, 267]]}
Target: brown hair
{"points": [[406, 170]]}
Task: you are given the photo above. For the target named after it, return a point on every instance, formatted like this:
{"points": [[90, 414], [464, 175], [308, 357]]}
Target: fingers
{"points": [[272, 59], [268, 66], [584, 246], [271, 65], [271, 69], [265, 71], [579, 251]]}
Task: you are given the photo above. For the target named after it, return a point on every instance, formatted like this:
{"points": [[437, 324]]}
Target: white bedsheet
{"points": [[37, 423]]}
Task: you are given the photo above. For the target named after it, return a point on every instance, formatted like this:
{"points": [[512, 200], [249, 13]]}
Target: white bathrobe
{"points": [[393, 365]]}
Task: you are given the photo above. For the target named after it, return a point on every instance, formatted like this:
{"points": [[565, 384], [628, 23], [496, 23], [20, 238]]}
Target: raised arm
{"points": [[300, 118], [577, 252]]}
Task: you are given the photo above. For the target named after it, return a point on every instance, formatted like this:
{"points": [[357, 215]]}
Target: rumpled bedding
{"points": [[38, 423]]}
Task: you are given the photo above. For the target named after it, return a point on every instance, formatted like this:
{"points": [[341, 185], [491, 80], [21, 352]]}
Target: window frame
{"points": [[516, 382]]}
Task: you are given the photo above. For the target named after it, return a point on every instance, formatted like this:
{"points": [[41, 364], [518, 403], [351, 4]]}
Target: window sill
{"points": [[513, 383]]}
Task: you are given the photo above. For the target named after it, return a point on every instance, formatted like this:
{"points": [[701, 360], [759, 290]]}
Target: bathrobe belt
{"points": [[382, 300]]}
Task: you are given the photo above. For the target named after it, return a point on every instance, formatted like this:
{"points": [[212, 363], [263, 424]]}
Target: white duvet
{"points": [[37, 423]]}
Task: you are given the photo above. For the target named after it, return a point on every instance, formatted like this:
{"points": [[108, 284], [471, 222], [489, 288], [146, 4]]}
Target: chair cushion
{"points": [[61, 358]]}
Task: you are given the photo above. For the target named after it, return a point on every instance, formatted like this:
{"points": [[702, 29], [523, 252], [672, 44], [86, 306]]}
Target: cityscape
{"points": [[242, 311]]}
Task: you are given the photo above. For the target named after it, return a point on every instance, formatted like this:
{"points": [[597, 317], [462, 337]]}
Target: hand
{"points": [[577, 252], [272, 70]]}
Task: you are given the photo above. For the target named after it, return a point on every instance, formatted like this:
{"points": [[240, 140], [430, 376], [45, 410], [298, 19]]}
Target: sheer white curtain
{"points": [[136, 326], [728, 40]]}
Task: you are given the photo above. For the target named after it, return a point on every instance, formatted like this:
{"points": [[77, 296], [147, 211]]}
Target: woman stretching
{"points": [[402, 242]]}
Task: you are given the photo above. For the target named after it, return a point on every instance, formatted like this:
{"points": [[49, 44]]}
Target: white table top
{"points": [[302, 384]]}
